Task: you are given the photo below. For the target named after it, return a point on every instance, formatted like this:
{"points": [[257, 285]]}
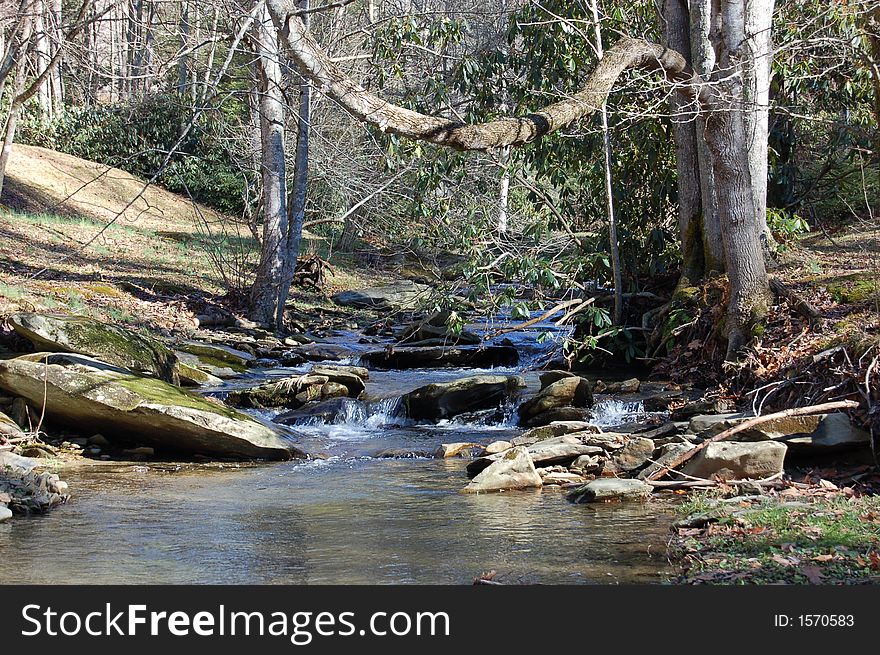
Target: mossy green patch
{"points": [[162, 393], [854, 289]]}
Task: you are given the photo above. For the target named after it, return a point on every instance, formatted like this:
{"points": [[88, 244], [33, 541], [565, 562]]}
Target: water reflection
{"points": [[346, 521]]}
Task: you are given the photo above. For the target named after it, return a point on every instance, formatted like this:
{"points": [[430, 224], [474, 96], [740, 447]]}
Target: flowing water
{"points": [[350, 518]]}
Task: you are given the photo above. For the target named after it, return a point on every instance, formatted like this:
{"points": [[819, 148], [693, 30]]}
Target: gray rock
{"points": [[497, 447], [457, 449], [733, 460], [192, 376], [566, 392], [549, 377], [636, 452], [107, 342], [320, 352], [832, 433], [217, 354], [333, 410], [558, 450], [668, 453], [5, 513], [92, 395], [587, 464], [513, 470], [401, 295], [408, 357], [9, 428], [553, 429], [610, 489], [293, 392], [353, 382], [434, 402], [558, 415]]}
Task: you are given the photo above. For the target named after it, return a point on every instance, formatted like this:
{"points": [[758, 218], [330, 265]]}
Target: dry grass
{"points": [[70, 241]]}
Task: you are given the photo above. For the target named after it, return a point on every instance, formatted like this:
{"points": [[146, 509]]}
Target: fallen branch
{"points": [[543, 317], [758, 420], [795, 301]]}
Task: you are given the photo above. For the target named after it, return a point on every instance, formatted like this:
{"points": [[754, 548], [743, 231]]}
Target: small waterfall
{"points": [[359, 414], [610, 412]]}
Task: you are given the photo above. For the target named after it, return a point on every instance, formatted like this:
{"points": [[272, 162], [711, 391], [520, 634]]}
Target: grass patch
{"points": [[832, 540]]}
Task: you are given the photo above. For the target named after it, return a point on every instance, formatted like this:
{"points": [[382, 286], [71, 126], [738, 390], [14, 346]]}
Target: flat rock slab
{"points": [[107, 342], [402, 295], [554, 429], [321, 352], [610, 489], [87, 394], [558, 450], [214, 352]]}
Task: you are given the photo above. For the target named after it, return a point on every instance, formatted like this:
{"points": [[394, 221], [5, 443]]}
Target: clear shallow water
{"points": [[336, 522], [349, 519]]}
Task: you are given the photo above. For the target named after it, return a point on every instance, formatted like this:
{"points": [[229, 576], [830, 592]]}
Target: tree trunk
{"points": [[183, 61], [676, 24], [759, 17], [703, 23], [614, 246], [300, 187], [504, 192], [267, 285], [729, 142]]}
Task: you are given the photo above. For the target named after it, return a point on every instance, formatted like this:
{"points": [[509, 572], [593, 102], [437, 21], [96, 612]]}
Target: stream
{"points": [[351, 518]]}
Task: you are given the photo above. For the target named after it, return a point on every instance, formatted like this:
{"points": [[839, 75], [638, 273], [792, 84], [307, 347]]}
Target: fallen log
{"points": [[758, 420]]}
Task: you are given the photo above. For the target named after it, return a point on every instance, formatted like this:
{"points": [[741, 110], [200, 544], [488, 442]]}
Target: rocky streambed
{"points": [[381, 430]]}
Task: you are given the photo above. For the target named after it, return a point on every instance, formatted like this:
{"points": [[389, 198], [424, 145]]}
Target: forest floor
{"points": [[81, 237]]}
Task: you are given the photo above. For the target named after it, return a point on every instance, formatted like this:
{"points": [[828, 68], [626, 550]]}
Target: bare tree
{"points": [[722, 96]]}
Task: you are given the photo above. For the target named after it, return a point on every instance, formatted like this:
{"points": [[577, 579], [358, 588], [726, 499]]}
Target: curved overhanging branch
{"points": [[626, 54]]}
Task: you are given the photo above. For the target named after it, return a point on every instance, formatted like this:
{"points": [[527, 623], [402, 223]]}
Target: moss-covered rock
{"points": [[87, 395], [110, 343]]}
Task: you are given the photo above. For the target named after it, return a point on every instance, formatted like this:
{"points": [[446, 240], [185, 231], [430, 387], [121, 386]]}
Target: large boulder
{"points": [[107, 342], [735, 460], [610, 489], [513, 470], [407, 357], [565, 392], [92, 396], [443, 400], [401, 295], [290, 392], [333, 410]]}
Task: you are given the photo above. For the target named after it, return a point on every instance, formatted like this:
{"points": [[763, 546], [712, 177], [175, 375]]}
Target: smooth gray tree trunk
{"points": [[272, 115], [300, 187]]}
